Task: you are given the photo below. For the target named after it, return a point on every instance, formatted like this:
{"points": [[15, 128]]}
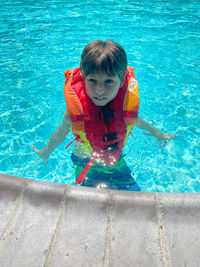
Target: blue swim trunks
{"points": [[116, 177]]}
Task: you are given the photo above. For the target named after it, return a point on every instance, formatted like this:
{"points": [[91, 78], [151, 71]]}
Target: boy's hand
{"points": [[41, 153], [162, 137], [152, 131]]}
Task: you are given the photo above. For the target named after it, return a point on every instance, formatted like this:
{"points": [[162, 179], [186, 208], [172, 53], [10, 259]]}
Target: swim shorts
{"points": [[116, 177]]}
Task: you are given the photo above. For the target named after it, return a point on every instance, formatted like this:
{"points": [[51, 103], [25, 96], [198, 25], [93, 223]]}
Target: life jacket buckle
{"points": [[112, 148]]}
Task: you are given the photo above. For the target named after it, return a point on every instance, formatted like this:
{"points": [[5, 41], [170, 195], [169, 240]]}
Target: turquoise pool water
{"points": [[41, 39]]}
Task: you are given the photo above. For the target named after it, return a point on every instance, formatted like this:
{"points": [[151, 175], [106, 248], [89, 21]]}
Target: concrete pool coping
{"points": [[49, 224]]}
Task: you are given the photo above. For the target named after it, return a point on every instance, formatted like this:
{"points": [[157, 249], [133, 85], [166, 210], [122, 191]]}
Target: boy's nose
{"points": [[99, 89]]}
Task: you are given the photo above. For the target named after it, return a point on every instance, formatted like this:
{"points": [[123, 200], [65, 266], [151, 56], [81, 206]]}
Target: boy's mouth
{"points": [[99, 98]]}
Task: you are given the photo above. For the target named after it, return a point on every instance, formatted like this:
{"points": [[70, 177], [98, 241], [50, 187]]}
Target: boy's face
{"points": [[102, 88]]}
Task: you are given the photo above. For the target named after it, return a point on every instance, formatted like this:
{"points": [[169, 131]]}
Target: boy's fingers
{"points": [[35, 149], [164, 136], [170, 136], [38, 152]]}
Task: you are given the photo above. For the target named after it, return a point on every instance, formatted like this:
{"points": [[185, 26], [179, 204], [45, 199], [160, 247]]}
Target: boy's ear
{"points": [[82, 74]]}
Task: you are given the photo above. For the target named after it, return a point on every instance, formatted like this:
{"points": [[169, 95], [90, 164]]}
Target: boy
{"points": [[102, 105]]}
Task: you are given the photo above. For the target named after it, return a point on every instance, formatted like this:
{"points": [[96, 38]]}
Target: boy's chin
{"points": [[100, 103]]}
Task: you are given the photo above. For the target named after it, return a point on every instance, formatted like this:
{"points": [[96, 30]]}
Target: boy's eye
{"points": [[109, 81], [92, 80]]}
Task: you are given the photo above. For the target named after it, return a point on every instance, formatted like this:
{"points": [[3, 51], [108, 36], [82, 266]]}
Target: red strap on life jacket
{"points": [[71, 142], [81, 177], [100, 115]]}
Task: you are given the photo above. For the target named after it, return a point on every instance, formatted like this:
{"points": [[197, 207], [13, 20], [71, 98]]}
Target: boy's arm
{"points": [[57, 138], [152, 131]]}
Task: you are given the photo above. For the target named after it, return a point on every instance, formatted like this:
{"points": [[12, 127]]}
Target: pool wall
{"points": [[49, 224]]}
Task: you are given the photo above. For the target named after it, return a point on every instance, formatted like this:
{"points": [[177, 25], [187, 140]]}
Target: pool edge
{"points": [[76, 225]]}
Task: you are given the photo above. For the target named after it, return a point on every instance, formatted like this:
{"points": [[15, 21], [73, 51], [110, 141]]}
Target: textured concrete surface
{"points": [[48, 224]]}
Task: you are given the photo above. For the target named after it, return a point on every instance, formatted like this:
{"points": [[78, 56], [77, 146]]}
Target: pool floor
{"points": [[49, 224]]}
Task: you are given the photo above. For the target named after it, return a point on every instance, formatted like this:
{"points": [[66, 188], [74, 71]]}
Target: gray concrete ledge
{"points": [[48, 224]]}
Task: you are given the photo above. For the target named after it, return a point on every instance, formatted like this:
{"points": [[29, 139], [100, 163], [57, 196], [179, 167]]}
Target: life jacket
{"points": [[102, 131]]}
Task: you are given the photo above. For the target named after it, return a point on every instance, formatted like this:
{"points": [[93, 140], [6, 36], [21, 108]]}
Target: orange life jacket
{"points": [[103, 132]]}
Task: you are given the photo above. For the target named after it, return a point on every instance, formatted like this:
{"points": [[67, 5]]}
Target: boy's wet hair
{"points": [[104, 56]]}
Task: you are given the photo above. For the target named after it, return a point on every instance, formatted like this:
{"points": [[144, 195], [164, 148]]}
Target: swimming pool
{"points": [[41, 39]]}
